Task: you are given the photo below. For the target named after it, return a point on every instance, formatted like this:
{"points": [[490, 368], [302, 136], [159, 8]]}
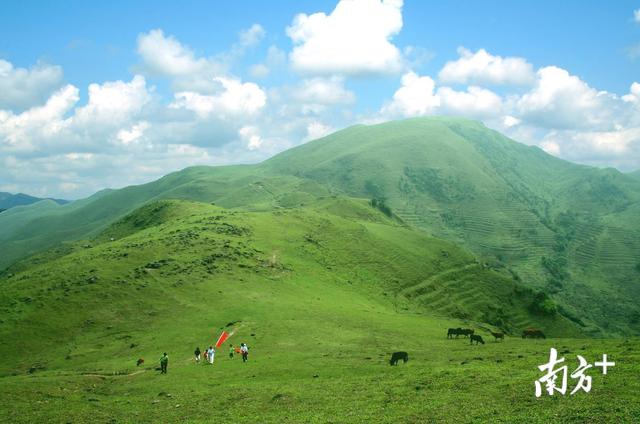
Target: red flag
{"points": [[222, 338]]}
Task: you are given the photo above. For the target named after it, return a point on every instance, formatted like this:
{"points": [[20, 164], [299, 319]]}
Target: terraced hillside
{"points": [[567, 229]]}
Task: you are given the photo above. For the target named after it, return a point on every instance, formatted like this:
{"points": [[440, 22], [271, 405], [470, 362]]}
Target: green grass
{"points": [[321, 291]]}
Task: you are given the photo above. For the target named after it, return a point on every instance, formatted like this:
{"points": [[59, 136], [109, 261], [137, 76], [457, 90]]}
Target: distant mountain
{"points": [[569, 230], [8, 200]]}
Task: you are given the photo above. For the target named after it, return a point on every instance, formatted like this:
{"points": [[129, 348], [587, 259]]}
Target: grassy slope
{"points": [[318, 291], [508, 203], [501, 199]]}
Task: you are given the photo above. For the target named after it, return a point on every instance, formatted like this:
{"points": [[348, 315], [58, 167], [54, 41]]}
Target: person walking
{"points": [[211, 354], [244, 349], [197, 354], [164, 362], [231, 350]]}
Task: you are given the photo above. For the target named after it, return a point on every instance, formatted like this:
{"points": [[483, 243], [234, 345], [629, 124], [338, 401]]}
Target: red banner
{"points": [[222, 338]]}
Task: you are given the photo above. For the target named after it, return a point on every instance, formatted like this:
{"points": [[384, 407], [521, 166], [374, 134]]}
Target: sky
{"points": [[110, 94]]}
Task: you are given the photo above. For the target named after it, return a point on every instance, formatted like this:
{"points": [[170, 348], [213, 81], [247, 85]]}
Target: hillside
{"points": [[179, 249], [322, 294], [8, 200], [571, 231]]}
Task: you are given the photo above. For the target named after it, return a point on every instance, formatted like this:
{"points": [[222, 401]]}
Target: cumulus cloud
{"points": [[418, 96], [22, 131], [251, 137], [475, 102], [165, 56], [317, 130], [22, 88], [483, 68], [562, 100], [113, 102], [252, 35], [233, 98], [323, 91], [355, 38], [415, 97]]}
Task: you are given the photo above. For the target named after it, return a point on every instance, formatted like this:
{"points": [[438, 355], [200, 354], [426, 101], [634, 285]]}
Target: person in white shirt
{"points": [[244, 349], [211, 355]]}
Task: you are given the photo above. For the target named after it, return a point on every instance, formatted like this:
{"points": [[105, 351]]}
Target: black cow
{"points": [[459, 332], [397, 356], [476, 338]]}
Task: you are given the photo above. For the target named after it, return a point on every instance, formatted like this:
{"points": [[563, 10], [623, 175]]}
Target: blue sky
{"points": [[246, 79]]}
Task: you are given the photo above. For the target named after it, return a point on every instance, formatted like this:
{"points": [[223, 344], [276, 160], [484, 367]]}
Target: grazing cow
{"points": [[467, 332], [453, 332], [139, 362], [476, 338], [397, 356], [533, 333], [497, 335], [459, 332]]}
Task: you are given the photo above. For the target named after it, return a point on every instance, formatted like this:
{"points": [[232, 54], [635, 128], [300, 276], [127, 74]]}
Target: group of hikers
{"points": [[209, 355]]}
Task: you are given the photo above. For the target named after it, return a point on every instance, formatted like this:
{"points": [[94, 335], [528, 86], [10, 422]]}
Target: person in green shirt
{"points": [[164, 361], [231, 350]]}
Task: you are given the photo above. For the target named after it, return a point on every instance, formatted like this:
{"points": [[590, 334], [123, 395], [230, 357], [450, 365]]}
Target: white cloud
{"points": [[233, 98], [510, 121], [20, 132], [476, 102], [22, 88], [418, 96], [636, 15], [251, 137], [317, 130], [325, 91], [353, 39], [128, 136], [483, 68], [165, 56], [252, 36], [551, 147], [415, 97], [634, 94], [562, 100], [115, 101]]}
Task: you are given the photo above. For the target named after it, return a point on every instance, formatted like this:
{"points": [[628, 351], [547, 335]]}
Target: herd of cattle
{"points": [[529, 333], [532, 333]]}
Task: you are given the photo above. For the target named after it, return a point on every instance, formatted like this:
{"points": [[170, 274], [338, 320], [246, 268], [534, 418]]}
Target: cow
{"points": [[397, 356], [476, 338], [458, 332], [139, 362], [497, 335], [533, 333]]}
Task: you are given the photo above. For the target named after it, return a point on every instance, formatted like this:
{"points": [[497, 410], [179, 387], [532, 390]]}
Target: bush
{"points": [[543, 305], [381, 205]]}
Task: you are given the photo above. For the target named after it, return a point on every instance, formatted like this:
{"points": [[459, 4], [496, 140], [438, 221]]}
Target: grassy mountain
{"points": [[8, 200], [570, 231], [321, 293]]}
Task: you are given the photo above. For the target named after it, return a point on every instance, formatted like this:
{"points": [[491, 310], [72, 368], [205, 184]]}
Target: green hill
{"points": [[8, 200], [568, 230], [322, 294]]}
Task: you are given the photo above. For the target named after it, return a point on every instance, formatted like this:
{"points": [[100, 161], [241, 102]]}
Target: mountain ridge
{"points": [[569, 230]]}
